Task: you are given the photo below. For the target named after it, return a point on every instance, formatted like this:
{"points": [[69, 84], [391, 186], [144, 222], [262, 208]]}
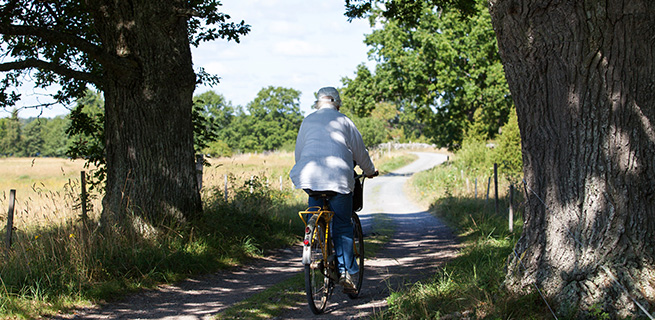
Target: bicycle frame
{"points": [[321, 272]]}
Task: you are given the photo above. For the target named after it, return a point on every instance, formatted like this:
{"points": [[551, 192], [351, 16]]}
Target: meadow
{"points": [[47, 190]]}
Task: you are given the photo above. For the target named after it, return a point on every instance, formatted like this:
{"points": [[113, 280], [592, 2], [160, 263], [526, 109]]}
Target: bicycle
{"points": [[321, 273]]}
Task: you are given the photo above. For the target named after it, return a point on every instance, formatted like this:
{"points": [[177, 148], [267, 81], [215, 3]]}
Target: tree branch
{"points": [[52, 36], [55, 37], [59, 69], [188, 12]]}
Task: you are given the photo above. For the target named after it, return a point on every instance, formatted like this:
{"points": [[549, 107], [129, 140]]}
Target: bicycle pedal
{"points": [[317, 265]]}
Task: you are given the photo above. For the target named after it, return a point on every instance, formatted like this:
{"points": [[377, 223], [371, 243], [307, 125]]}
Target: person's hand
{"points": [[374, 174]]}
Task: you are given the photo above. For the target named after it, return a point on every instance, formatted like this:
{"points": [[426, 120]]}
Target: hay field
{"points": [[268, 167], [47, 190]]}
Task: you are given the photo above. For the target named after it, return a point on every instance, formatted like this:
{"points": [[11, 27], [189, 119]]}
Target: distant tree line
{"points": [[269, 122], [33, 136]]}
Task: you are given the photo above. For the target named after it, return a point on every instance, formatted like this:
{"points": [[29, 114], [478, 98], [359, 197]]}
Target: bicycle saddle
{"points": [[320, 194]]}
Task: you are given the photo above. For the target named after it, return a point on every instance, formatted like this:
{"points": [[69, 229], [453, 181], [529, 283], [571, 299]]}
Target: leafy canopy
{"points": [[440, 69]]}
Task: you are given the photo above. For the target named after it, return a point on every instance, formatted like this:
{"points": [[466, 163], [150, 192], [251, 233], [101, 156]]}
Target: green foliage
{"points": [[218, 148], [33, 140], [476, 130], [10, 141], [373, 130], [212, 114], [87, 134], [56, 141], [33, 137], [357, 95], [440, 69], [271, 122], [508, 153], [406, 10], [475, 157]]}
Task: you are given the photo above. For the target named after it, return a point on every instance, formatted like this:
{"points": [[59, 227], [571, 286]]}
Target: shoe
{"points": [[346, 281]]}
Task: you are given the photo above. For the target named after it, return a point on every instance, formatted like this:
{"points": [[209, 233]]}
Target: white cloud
{"points": [[298, 48]]}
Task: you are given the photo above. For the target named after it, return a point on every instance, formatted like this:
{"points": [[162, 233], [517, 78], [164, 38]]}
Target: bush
{"points": [[508, 152], [218, 148]]}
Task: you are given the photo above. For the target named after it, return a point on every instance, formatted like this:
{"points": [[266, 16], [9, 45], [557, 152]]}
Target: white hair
{"points": [[326, 101]]}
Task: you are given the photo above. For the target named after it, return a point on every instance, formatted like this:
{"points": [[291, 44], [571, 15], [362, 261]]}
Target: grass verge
{"points": [[469, 286], [396, 161]]}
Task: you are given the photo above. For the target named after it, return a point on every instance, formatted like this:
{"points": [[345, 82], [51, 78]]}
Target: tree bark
{"points": [[148, 127], [582, 75]]}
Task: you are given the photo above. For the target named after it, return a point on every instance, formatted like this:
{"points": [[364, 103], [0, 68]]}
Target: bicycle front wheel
{"points": [[359, 254], [317, 283]]}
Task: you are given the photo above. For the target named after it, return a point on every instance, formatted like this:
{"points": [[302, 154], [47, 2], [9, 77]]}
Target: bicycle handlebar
{"points": [[361, 175]]}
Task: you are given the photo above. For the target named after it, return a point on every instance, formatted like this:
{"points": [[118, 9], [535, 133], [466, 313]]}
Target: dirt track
{"points": [[420, 244]]}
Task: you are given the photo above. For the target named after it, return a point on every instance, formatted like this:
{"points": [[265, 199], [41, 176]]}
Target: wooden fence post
{"points": [[10, 218], [496, 184], [84, 196], [199, 164], [476, 187], [488, 187], [468, 187], [225, 193], [511, 208]]}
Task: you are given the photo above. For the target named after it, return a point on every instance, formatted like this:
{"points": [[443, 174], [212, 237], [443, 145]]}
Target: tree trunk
{"points": [[148, 128], [582, 74]]}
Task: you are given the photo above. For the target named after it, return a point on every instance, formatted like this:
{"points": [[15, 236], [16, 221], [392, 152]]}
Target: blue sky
{"points": [[299, 44]]}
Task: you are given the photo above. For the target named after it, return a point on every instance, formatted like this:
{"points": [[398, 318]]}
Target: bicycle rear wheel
{"points": [[317, 283], [359, 254]]}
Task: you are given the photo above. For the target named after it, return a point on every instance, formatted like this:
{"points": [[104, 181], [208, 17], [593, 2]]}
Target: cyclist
{"points": [[327, 144]]}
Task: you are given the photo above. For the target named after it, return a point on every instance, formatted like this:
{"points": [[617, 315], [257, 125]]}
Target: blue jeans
{"points": [[342, 230]]}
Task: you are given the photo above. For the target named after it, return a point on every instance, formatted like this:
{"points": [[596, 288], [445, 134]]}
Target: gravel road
{"points": [[420, 244]]}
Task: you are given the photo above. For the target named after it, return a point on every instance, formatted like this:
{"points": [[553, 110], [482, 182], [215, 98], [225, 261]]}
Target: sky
{"points": [[298, 44]]}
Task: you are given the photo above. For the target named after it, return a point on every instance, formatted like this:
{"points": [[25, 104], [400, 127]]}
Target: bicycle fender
{"points": [[307, 242], [307, 255]]}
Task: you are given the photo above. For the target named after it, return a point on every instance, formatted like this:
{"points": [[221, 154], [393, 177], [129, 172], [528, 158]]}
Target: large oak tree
{"points": [[138, 53], [582, 76]]}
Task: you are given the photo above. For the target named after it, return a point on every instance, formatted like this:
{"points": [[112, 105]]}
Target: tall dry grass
{"points": [[47, 191]]}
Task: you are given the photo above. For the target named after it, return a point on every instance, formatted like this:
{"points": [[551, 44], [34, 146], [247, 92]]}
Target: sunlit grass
{"points": [[471, 285]]}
